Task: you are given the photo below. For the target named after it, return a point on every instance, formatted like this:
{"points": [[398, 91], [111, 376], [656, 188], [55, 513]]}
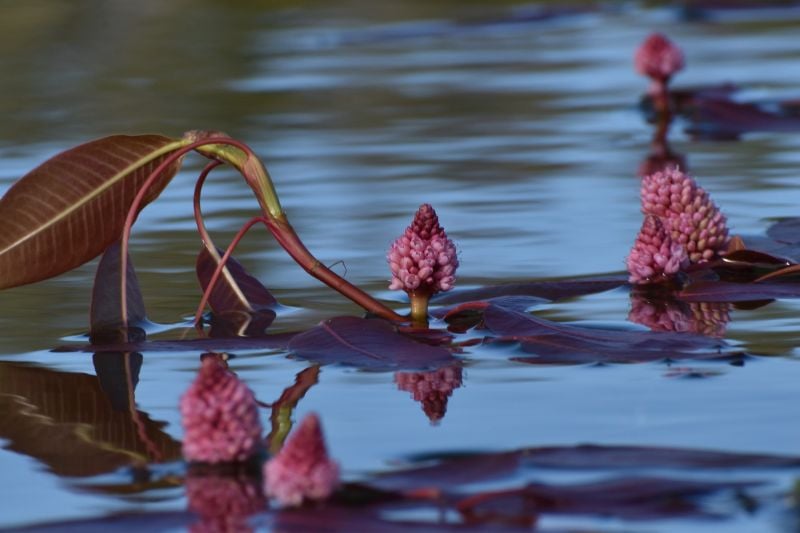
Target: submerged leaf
{"points": [[72, 207], [367, 344]]}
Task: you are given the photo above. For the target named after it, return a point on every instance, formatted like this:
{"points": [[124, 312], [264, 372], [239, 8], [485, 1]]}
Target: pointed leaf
{"points": [[368, 344], [72, 207], [106, 315], [236, 289]]}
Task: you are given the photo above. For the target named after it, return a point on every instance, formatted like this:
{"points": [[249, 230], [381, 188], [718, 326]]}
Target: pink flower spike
{"points": [[658, 58], [302, 470], [687, 212], [219, 415], [654, 257], [423, 258]]}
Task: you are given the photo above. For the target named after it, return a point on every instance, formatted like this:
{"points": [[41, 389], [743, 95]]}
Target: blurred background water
{"points": [[524, 133]]}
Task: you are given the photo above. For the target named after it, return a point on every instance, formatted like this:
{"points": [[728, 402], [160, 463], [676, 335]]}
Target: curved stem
{"points": [[290, 241], [198, 214], [221, 265]]}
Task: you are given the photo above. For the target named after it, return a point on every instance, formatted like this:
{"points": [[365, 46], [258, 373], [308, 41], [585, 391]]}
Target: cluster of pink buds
{"points": [[658, 58], [302, 470], [423, 260], [219, 415], [681, 222], [655, 257], [432, 389]]}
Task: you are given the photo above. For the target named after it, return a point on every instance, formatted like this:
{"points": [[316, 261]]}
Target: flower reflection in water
{"points": [[223, 502], [432, 388], [665, 314]]}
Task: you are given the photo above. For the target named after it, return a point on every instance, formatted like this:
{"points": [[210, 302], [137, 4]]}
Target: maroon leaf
{"points": [[367, 344], [723, 291], [72, 207], [555, 343], [630, 498], [279, 341], [236, 289], [725, 119], [106, 317], [451, 472], [549, 290], [594, 457]]}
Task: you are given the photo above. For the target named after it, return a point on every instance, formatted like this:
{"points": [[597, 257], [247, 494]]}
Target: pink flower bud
{"points": [[658, 58], [432, 389], [423, 258], [219, 415], [654, 257], [302, 470], [687, 212]]}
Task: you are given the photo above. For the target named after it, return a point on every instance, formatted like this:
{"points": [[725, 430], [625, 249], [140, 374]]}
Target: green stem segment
{"points": [[419, 307]]}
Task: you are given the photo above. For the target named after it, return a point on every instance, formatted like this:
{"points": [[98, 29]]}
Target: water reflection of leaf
{"points": [[66, 421]]}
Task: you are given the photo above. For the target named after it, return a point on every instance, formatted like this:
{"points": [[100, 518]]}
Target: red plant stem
{"points": [[198, 214], [221, 265], [290, 241], [276, 222]]}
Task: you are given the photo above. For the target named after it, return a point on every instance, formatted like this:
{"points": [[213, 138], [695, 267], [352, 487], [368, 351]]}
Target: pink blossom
{"points": [[654, 257], [423, 258], [432, 389], [219, 415], [658, 58], [302, 470], [687, 212]]}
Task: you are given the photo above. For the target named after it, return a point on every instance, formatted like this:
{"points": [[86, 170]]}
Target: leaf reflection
{"points": [[68, 422]]}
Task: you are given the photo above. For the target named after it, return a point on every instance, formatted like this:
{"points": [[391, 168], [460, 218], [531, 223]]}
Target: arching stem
{"points": [[221, 266]]}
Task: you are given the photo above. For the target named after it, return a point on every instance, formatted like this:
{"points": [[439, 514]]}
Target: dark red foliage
{"points": [[370, 344]]}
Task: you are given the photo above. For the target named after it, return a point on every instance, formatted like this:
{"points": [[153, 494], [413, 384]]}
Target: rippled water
{"points": [[526, 137]]}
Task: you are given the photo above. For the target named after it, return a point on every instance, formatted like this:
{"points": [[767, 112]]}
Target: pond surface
{"points": [[523, 132]]}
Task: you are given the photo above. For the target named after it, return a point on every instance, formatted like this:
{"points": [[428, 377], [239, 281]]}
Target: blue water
{"points": [[526, 138]]}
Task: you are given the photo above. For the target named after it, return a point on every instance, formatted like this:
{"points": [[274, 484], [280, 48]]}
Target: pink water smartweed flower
{"points": [[687, 212], [423, 261], [219, 415], [658, 58], [655, 257], [432, 389], [302, 470]]}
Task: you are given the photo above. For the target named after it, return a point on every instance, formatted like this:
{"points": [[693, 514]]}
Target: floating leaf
{"points": [[549, 290], [629, 498], [73, 206], [723, 291], [367, 344], [555, 343], [106, 316]]}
